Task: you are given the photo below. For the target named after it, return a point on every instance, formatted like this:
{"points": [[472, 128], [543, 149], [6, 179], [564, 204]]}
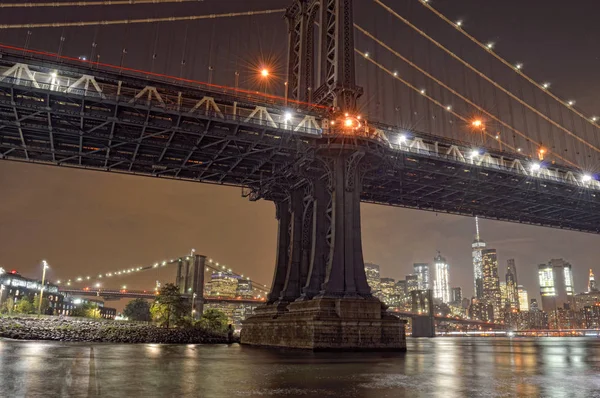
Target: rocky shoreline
{"points": [[85, 330]]}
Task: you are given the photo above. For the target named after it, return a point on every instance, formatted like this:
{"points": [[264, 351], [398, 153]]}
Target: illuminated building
{"points": [[556, 284], [591, 316], [503, 294], [592, 282], [586, 299], [244, 289], [412, 283], [456, 296], [223, 284], [441, 284], [388, 291], [477, 254], [491, 281], [16, 286], [481, 310], [523, 298], [512, 286], [422, 272], [373, 278]]}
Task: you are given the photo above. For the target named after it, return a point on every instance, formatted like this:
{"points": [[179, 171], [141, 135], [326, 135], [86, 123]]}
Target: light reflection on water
{"points": [[442, 367]]}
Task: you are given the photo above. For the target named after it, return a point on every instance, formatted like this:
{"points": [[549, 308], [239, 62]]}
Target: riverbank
{"points": [[86, 330]]}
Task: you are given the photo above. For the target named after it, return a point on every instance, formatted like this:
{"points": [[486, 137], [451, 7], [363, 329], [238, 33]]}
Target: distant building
{"points": [[591, 316], [556, 284], [373, 278], [388, 291], [477, 247], [456, 296], [592, 282], [441, 289], [423, 276], [15, 286], [523, 299], [481, 310], [491, 281], [586, 300], [412, 283], [223, 284], [244, 289], [512, 286]]}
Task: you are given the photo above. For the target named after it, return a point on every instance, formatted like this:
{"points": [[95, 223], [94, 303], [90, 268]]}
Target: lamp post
{"points": [[44, 267], [193, 302]]}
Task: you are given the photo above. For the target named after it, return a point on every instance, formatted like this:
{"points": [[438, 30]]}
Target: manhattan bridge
{"points": [[463, 143]]}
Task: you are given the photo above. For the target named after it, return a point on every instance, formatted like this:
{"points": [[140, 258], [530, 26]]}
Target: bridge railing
{"points": [[154, 98]]}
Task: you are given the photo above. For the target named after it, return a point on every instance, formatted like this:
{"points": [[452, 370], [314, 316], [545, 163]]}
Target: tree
{"points": [[169, 307], [214, 320], [138, 310], [7, 305], [24, 306], [87, 310]]}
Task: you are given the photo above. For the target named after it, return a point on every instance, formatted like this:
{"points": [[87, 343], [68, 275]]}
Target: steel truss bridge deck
{"points": [[79, 116]]}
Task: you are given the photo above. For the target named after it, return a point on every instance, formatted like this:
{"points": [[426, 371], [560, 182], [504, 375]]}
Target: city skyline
{"points": [[239, 222]]}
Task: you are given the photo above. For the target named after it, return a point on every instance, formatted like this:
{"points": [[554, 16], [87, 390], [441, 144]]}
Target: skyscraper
{"points": [[523, 299], [478, 246], [441, 283], [592, 282], [388, 290], [556, 284], [456, 296], [373, 278], [512, 286], [491, 281], [422, 272]]}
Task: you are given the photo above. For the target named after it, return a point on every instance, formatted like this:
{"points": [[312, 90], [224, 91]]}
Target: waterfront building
{"points": [[481, 310], [512, 286], [14, 286], [523, 298], [423, 276], [592, 282], [373, 278], [491, 281], [441, 284], [223, 284], [556, 284], [477, 247]]}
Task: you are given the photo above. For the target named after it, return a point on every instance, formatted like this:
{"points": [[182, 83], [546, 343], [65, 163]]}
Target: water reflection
{"points": [[442, 367]]}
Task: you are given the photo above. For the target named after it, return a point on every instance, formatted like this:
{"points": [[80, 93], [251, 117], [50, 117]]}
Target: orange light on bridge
{"points": [[348, 122], [541, 153], [477, 123], [264, 72]]}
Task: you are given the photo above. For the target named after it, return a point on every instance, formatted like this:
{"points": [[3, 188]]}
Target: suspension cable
{"points": [[514, 68], [137, 21], [450, 110], [91, 3], [442, 84], [484, 76]]}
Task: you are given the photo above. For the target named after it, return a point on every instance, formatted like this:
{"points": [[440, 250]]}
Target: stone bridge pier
{"points": [[320, 299]]}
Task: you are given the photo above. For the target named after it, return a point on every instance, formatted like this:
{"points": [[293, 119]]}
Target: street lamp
{"points": [[193, 302], [44, 268]]}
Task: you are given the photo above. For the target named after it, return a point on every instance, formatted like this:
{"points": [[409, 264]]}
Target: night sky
{"points": [[85, 222]]}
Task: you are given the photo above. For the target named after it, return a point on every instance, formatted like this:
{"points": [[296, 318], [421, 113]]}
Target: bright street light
{"points": [[264, 73], [586, 178], [44, 268]]}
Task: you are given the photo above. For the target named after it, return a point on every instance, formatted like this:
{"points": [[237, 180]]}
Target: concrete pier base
{"points": [[326, 324], [423, 326]]}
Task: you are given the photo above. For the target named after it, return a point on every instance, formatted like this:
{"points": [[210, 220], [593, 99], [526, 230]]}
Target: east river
{"points": [[440, 367]]}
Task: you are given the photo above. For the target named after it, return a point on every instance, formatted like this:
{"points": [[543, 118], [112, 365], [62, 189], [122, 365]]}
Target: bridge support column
{"points": [[335, 309]]}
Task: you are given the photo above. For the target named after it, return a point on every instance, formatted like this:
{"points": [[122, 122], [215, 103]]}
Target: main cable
{"points": [[450, 110], [91, 3], [485, 77], [442, 84], [517, 70], [137, 21]]}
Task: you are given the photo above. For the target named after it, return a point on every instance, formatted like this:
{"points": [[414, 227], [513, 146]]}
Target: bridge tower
{"points": [[319, 297]]}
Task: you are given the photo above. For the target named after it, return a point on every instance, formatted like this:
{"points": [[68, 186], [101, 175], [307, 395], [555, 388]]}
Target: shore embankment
{"points": [[87, 330]]}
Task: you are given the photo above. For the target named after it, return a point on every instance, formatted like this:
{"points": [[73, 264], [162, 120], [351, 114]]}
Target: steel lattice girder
{"points": [[138, 137]]}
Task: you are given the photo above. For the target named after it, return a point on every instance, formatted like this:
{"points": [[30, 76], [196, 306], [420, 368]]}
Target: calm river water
{"points": [[441, 367]]}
